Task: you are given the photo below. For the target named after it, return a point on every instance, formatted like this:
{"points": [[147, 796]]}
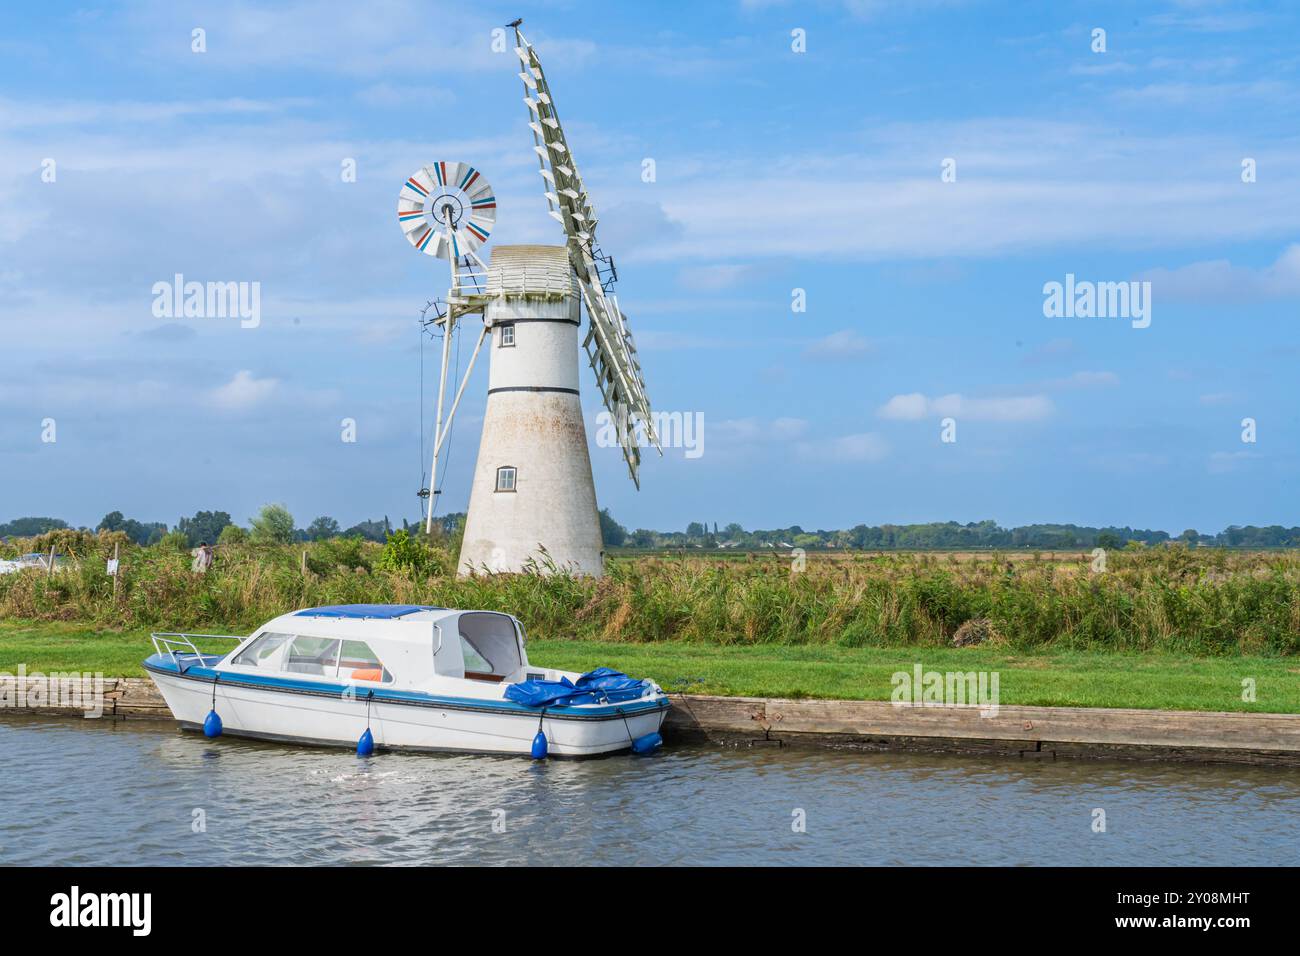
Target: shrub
{"points": [[346, 553], [175, 541], [231, 535], [405, 554], [273, 525]]}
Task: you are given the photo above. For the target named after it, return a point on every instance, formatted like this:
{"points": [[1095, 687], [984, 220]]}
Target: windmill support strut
{"points": [[448, 325], [441, 430], [461, 391]]}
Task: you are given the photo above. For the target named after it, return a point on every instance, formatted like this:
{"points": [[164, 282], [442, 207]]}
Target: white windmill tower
{"points": [[533, 500]]}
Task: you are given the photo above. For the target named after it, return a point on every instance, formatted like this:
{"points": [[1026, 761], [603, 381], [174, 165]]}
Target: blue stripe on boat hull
{"points": [[206, 675]]}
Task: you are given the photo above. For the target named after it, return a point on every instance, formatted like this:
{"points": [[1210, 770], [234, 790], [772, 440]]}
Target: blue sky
{"points": [[775, 170]]}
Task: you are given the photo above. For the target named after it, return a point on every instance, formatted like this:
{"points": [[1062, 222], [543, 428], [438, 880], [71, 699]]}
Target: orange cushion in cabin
{"points": [[376, 675]]}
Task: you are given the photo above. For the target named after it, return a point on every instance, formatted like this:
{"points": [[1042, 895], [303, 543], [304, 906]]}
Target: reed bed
{"points": [[1201, 601]]}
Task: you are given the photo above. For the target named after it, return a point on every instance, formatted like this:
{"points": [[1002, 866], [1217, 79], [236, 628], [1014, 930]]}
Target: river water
{"points": [[100, 792]]}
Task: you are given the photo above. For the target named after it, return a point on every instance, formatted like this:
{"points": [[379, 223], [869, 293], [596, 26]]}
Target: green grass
{"points": [[52, 646], [1073, 678], [1170, 600]]}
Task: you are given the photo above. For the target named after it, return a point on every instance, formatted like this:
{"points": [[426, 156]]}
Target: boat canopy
{"points": [[483, 645], [385, 612], [410, 642]]}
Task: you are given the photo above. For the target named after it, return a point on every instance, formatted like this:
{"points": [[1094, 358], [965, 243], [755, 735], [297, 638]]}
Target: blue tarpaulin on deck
{"points": [[603, 685]]}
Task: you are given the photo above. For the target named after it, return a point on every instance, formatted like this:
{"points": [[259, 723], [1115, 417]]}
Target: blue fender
{"points": [[366, 745], [647, 744]]}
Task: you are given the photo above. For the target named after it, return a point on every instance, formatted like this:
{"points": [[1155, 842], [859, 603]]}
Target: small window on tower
{"points": [[507, 335], [506, 477]]}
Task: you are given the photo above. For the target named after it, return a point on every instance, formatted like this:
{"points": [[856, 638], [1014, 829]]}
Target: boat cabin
{"points": [[402, 646]]}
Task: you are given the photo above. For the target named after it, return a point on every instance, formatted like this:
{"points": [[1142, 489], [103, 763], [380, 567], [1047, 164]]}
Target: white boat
{"points": [[414, 677]]}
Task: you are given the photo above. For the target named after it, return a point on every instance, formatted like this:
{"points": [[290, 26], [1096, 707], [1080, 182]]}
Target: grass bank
{"points": [[1050, 678], [1148, 628], [1200, 602]]}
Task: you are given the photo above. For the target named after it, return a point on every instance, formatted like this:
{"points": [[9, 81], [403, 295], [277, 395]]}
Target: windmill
{"points": [[533, 500]]}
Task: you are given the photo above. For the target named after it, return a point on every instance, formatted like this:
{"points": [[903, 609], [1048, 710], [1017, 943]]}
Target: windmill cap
{"points": [[532, 268]]}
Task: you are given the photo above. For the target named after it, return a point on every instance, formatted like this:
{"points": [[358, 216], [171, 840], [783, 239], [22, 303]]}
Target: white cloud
{"points": [[910, 407], [870, 9], [255, 225], [656, 340], [862, 446], [242, 392], [389, 96], [845, 344], [784, 429], [1219, 280], [1222, 462], [1085, 380], [885, 202], [1208, 64], [1101, 69], [383, 331], [341, 37], [1218, 398], [19, 114], [875, 204], [855, 447], [1199, 22], [1056, 350], [106, 390], [1204, 94], [754, 430], [915, 406], [714, 278], [638, 225]]}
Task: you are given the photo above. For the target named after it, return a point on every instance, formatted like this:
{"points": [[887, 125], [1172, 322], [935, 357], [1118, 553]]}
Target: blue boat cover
{"points": [[386, 611], [603, 685]]}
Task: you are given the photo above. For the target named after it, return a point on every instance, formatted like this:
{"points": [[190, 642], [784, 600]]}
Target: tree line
{"points": [[937, 536], [274, 523]]}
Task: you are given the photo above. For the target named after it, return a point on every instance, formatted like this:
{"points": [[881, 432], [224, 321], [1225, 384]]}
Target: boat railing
{"points": [[176, 646]]}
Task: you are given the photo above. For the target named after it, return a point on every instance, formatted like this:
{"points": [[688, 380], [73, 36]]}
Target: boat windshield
{"points": [[261, 653]]}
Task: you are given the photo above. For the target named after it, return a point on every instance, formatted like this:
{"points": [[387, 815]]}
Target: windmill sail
{"points": [[610, 348]]}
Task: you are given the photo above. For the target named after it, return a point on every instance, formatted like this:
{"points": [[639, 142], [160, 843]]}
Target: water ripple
{"points": [[102, 793]]}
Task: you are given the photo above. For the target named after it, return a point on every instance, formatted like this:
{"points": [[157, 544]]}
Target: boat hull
{"points": [[416, 722]]}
